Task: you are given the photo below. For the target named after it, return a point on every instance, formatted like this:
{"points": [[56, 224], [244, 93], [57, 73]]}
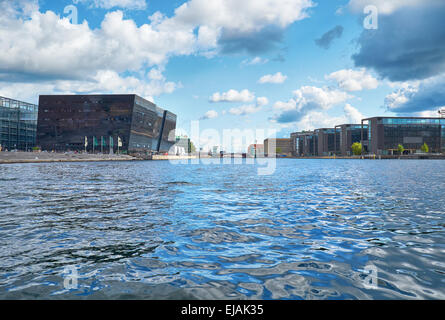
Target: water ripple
{"points": [[159, 230]]}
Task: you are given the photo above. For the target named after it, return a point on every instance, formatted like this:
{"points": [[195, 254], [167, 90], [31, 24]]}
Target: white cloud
{"points": [[40, 45], [233, 96], [285, 106], [254, 61], [37, 46], [207, 37], [13, 9], [211, 114], [153, 84], [323, 98], [306, 100], [399, 97], [417, 96], [353, 80], [244, 110], [262, 101], [353, 116], [426, 114], [242, 16], [108, 4], [319, 119], [273, 78]]}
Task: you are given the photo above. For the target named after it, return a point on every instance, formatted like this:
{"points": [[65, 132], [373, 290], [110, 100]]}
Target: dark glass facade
{"points": [[349, 134], [65, 121], [302, 144], [386, 133], [310, 145], [327, 139], [168, 131], [18, 124]]}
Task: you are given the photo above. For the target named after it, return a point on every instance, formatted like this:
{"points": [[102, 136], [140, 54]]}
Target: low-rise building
{"points": [[97, 122], [348, 135], [18, 124], [274, 147], [327, 138], [302, 143], [386, 133]]}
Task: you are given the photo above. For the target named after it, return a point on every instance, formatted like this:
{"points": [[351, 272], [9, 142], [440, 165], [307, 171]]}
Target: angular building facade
{"points": [[348, 135], [66, 122], [386, 133], [327, 139], [303, 143], [18, 124]]}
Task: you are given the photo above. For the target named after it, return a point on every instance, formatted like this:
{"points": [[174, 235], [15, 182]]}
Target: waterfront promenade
{"points": [[37, 157], [47, 157]]}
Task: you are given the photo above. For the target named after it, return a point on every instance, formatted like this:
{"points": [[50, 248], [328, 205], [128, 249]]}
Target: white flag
{"points": [[86, 142], [119, 142]]}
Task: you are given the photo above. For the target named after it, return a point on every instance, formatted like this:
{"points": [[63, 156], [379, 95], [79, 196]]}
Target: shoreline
{"points": [[45, 157], [49, 157], [63, 160]]}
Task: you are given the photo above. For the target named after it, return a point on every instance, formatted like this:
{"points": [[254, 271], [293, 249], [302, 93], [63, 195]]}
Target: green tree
{"points": [[357, 148], [192, 147], [278, 150], [401, 149], [425, 148]]}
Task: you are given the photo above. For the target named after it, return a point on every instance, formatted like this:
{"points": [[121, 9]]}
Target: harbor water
{"points": [[314, 229]]}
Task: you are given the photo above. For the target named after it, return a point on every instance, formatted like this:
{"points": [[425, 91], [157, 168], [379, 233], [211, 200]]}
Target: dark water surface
{"points": [[155, 230]]}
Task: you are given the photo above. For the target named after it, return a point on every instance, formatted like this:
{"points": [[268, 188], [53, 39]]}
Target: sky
{"points": [[274, 65]]}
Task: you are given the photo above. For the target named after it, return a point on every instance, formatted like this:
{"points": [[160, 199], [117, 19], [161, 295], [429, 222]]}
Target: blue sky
{"points": [[203, 60]]}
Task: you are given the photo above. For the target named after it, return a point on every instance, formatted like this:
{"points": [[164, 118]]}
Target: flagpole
{"points": [[119, 144]]}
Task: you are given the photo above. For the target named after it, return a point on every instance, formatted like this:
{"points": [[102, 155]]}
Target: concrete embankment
{"points": [[385, 157], [168, 157], [44, 157]]}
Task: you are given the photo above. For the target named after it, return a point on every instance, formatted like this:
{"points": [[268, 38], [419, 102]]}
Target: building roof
{"points": [[277, 139], [402, 118]]}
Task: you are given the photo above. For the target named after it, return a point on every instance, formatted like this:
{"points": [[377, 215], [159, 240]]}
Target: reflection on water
{"points": [[155, 230]]}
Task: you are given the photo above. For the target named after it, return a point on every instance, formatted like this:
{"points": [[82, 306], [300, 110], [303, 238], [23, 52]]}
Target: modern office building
{"points": [[66, 122], [18, 124], [327, 138], [303, 143], [272, 147], [386, 133], [348, 135], [310, 147]]}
